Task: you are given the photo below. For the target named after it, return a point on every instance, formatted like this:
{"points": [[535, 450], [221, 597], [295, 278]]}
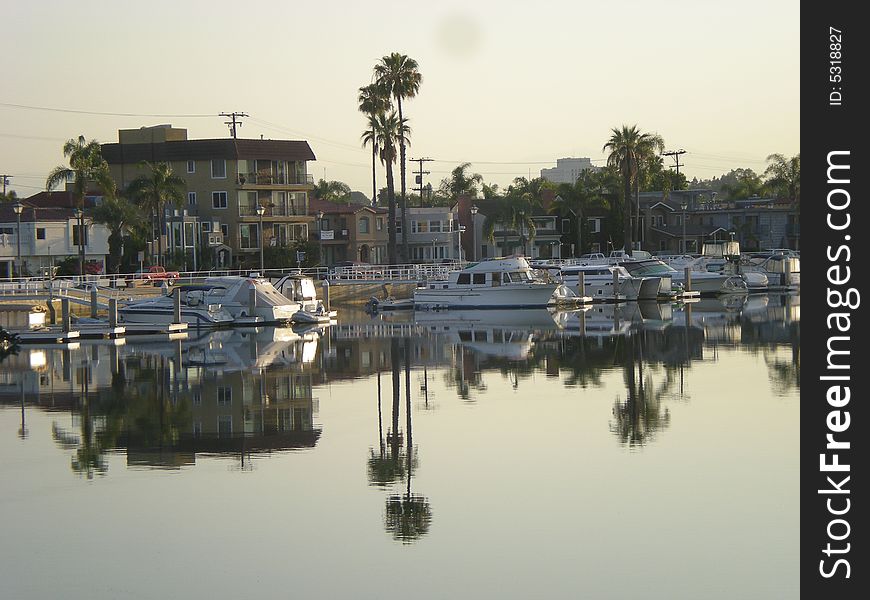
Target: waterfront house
{"points": [[350, 232], [49, 233], [226, 180]]}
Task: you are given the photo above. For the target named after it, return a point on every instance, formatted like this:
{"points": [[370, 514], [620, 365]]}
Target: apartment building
{"points": [[227, 179]]}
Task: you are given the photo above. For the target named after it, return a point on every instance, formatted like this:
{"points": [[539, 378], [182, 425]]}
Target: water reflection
{"points": [[247, 393]]}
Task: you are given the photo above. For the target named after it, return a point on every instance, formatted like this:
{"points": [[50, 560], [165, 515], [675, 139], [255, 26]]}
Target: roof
{"points": [[61, 199], [336, 208], [232, 149], [30, 214]]}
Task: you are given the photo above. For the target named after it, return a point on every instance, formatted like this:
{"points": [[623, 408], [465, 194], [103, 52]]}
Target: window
{"points": [[364, 225], [435, 226], [76, 240], [479, 278], [595, 225], [40, 233], [248, 236], [225, 231], [484, 251], [398, 226], [218, 199], [379, 223], [191, 198], [218, 168], [191, 166], [464, 279], [206, 226], [419, 227], [224, 396]]}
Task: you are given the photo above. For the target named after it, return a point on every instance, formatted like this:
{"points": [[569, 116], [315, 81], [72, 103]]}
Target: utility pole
{"points": [[6, 179], [676, 154], [236, 120], [421, 188]]}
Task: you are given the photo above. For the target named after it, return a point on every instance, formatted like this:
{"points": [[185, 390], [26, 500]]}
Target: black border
{"points": [[826, 128]]}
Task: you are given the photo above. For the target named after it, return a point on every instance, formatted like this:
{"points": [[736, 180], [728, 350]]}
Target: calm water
{"points": [[515, 454]]}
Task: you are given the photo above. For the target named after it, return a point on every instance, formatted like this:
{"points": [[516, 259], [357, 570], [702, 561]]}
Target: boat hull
{"points": [[533, 295]]}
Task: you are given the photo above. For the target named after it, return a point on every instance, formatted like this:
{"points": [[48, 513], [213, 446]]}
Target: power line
{"points": [[99, 113]]}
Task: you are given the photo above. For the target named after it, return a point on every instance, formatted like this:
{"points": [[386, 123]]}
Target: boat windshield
{"points": [[517, 277], [644, 268]]}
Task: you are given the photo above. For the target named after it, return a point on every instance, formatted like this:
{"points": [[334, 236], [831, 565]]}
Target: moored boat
{"points": [[493, 283]]}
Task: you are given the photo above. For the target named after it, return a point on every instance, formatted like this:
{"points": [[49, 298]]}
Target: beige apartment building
{"points": [[226, 180]]}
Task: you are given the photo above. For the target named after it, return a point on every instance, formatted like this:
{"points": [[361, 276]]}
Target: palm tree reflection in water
{"points": [[407, 516]]}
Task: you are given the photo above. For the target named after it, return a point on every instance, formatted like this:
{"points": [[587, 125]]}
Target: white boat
{"points": [[493, 283], [196, 310], [782, 270], [301, 290], [246, 297], [704, 282], [598, 282]]}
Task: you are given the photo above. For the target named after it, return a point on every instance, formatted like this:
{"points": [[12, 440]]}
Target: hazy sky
{"points": [[508, 86]]}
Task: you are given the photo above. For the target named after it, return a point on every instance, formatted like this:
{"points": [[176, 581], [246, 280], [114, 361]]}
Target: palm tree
{"points": [[389, 132], [118, 215], [627, 147], [511, 214], [461, 183], [153, 191], [373, 101], [398, 75], [86, 167], [784, 176]]}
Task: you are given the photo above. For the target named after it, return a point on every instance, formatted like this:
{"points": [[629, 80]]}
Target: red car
{"points": [[157, 273]]}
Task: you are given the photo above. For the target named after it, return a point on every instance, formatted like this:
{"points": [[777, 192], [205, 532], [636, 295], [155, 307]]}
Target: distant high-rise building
{"points": [[568, 170]]}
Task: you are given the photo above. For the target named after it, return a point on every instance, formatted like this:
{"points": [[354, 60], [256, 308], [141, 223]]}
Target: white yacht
{"points": [[598, 283], [493, 283], [196, 309], [704, 282], [781, 269], [252, 296]]}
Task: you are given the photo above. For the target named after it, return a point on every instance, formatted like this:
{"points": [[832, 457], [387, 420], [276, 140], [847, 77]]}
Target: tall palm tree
{"points": [[398, 75], [153, 191], [118, 215], [627, 147], [373, 100], [784, 175], [389, 132], [86, 167]]}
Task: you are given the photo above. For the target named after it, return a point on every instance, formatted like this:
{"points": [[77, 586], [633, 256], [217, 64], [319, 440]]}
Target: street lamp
{"points": [[522, 230], [474, 210], [18, 207], [260, 210], [320, 236], [80, 218], [684, 206]]}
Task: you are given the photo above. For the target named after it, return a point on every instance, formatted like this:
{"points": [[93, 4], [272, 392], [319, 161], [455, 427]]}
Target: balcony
{"points": [[337, 234], [246, 210], [275, 179]]}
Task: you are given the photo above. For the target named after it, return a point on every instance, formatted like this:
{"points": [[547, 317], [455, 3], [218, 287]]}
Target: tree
{"points": [[390, 132], [399, 77], [573, 201], [742, 183], [373, 100], [10, 196], [783, 176], [86, 167], [627, 147], [511, 214], [117, 214], [460, 183], [332, 191], [153, 191]]}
